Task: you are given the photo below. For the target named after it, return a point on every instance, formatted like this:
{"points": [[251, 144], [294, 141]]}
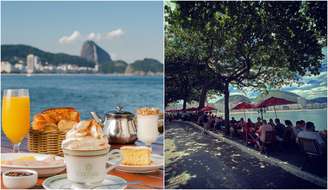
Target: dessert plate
{"points": [[157, 163], [61, 182], [43, 170]]}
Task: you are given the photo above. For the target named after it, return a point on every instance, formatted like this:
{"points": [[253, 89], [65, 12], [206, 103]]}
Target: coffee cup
{"points": [[86, 166]]}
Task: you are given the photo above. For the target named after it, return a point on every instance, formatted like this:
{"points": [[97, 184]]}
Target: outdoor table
{"points": [[152, 180]]}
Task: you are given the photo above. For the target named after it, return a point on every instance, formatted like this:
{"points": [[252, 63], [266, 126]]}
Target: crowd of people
{"points": [[260, 132]]}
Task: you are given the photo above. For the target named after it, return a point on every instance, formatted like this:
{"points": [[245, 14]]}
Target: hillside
{"points": [[14, 53], [146, 65], [281, 94], [91, 54]]}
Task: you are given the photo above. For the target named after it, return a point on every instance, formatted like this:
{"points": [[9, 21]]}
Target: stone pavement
{"points": [[202, 161]]}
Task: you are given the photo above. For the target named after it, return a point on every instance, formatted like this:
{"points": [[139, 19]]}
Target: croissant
{"points": [[49, 118]]}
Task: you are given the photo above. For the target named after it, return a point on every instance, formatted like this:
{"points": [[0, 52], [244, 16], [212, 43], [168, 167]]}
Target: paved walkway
{"points": [[201, 161]]}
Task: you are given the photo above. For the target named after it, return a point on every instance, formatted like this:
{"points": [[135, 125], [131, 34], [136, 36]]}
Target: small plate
{"points": [[157, 162], [61, 182], [43, 171]]}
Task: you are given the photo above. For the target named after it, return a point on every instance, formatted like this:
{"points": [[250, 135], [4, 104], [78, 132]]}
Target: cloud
{"points": [[115, 33], [316, 92], [94, 36], [69, 39], [76, 35]]}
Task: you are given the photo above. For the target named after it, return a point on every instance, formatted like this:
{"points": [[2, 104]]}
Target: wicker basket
{"points": [[49, 143]]}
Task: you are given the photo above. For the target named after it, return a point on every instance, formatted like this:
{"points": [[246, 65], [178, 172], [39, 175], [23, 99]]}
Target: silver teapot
{"points": [[118, 125]]}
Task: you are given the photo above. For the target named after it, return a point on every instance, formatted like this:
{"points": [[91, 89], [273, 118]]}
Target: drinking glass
{"points": [[147, 128], [15, 115]]}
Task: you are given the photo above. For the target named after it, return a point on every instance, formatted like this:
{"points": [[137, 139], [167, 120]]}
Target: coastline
{"points": [[272, 111], [80, 74]]}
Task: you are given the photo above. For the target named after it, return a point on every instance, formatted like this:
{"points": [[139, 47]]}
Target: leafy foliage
{"points": [[147, 65], [118, 66]]}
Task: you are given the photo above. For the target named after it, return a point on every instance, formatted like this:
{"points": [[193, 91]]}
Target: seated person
{"points": [[298, 128], [233, 124], [263, 129], [258, 123], [241, 125], [309, 133], [288, 133], [272, 123], [249, 132], [279, 128]]}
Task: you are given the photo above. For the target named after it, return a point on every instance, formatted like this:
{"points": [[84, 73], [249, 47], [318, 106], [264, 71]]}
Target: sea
{"points": [[317, 116], [88, 92]]}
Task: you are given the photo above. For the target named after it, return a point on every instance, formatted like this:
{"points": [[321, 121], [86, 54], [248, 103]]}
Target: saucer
{"points": [[61, 182], [157, 163], [43, 171]]}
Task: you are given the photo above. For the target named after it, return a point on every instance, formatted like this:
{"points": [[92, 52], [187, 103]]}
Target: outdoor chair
{"points": [[311, 150]]}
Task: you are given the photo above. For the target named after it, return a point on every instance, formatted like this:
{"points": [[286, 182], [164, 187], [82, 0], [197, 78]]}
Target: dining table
{"points": [[153, 180]]}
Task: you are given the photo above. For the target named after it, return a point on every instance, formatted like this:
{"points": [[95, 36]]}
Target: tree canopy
{"points": [[246, 44]]}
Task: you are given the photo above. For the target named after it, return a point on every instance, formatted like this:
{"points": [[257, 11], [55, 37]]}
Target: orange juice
{"points": [[15, 117]]}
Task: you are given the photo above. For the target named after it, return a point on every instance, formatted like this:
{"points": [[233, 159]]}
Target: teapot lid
{"points": [[119, 113]]}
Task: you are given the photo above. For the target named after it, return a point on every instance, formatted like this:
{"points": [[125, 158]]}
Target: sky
{"points": [[127, 30]]}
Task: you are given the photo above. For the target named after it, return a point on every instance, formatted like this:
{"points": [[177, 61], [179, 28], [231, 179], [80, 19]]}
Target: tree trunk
{"points": [[202, 98], [226, 108], [184, 104]]}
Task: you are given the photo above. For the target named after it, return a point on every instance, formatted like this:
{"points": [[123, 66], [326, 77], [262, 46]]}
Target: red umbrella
{"points": [[208, 108], [244, 106], [172, 110], [192, 109], [273, 101]]}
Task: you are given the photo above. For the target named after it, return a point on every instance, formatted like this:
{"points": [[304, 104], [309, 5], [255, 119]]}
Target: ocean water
{"points": [[100, 93], [87, 93], [317, 116]]}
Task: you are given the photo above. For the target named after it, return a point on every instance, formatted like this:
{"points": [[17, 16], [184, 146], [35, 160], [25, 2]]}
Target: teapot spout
{"points": [[97, 118]]}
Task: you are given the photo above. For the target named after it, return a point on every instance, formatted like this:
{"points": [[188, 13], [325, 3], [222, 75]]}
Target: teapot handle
{"points": [[97, 118]]}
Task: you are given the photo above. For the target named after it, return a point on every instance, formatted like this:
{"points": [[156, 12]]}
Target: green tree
{"points": [[253, 44]]}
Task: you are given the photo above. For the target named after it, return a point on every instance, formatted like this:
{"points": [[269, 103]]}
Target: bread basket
{"points": [[48, 143], [43, 140]]}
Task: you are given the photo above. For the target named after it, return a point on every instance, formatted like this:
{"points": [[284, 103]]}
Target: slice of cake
{"points": [[136, 155]]}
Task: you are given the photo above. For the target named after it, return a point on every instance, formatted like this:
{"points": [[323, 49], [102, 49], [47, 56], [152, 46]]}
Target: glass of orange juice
{"points": [[15, 115]]}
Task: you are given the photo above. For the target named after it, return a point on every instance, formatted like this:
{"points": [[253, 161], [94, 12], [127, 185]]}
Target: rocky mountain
{"points": [[320, 100], [15, 53], [92, 52], [233, 101]]}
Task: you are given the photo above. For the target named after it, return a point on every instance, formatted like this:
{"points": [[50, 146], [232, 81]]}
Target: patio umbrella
{"points": [[208, 108], [244, 106], [192, 109], [172, 110], [273, 101]]}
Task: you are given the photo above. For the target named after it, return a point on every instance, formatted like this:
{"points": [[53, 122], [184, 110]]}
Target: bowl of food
{"points": [[19, 179]]}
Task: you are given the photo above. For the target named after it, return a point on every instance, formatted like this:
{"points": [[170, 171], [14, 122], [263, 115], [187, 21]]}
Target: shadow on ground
{"points": [[201, 161]]}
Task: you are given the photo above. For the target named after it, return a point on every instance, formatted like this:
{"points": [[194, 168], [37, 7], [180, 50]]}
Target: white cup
{"points": [[147, 128], [86, 166]]}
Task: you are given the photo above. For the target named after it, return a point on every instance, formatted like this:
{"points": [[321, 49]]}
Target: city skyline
{"points": [[125, 30]]}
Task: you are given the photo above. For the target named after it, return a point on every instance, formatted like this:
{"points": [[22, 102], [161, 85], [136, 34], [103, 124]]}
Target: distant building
{"points": [[96, 68], [6, 67], [19, 67], [33, 63]]}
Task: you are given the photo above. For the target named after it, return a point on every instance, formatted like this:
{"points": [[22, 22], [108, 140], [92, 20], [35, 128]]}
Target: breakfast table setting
{"points": [[56, 149]]}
